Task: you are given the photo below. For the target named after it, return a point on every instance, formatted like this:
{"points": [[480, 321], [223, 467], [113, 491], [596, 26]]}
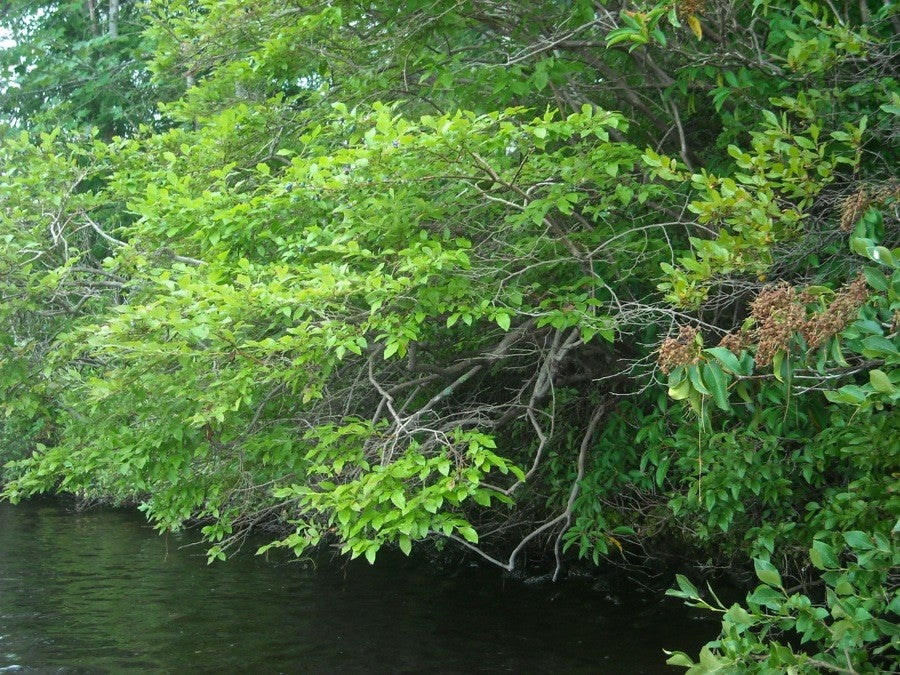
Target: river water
{"points": [[100, 591]]}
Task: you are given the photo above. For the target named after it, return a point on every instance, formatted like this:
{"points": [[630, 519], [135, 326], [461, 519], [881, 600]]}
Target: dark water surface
{"points": [[102, 592]]}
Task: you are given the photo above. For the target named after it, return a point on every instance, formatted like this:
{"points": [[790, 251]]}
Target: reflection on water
{"points": [[102, 592]]}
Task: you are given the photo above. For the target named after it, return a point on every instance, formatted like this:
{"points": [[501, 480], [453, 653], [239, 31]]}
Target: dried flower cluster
{"points": [[679, 351], [841, 311], [689, 7], [852, 208], [855, 204], [736, 342], [779, 314]]}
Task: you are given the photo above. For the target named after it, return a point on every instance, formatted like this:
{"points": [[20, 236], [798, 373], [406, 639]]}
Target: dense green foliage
{"points": [[79, 65], [595, 279]]}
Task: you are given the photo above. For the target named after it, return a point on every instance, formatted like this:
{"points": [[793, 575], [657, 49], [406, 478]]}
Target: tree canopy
{"points": [[608, 280]]}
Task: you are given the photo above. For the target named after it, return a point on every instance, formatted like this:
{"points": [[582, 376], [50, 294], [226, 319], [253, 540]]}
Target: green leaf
{"points": [[843, 587], [849, 393], [718, 384], [880, 381], [623, 530], [767, 573], [709, 661], [686, 586], [696, 401], [766, 596], [876, 347], [503, 320], [468, 533], [405, 544], [662, 470], [618, 35], [861, 246], [778, 363], [697, 380], [822, 556], [398, 499], [727, 359], [876, 279], [678, 659], [201, 331], [681, 390], [858, 540], [739, 616], [882, 255]]}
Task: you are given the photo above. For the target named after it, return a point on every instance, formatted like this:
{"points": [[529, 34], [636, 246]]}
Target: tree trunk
{"points": [[113, 18], [92, 17]]}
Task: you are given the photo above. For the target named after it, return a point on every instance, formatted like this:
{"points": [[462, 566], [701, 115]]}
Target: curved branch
{"points": [[576, 485]]}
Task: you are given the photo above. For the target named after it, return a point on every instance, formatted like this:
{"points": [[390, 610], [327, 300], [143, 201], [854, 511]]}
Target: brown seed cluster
{"points": [[855, 204], [852, 208], [779, 314], [886, 192], [736, 342], [689, 7], [679, 351], [820, 327]]}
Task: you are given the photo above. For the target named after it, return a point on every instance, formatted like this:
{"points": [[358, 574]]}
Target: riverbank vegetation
{"points": [[611, 281]]}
